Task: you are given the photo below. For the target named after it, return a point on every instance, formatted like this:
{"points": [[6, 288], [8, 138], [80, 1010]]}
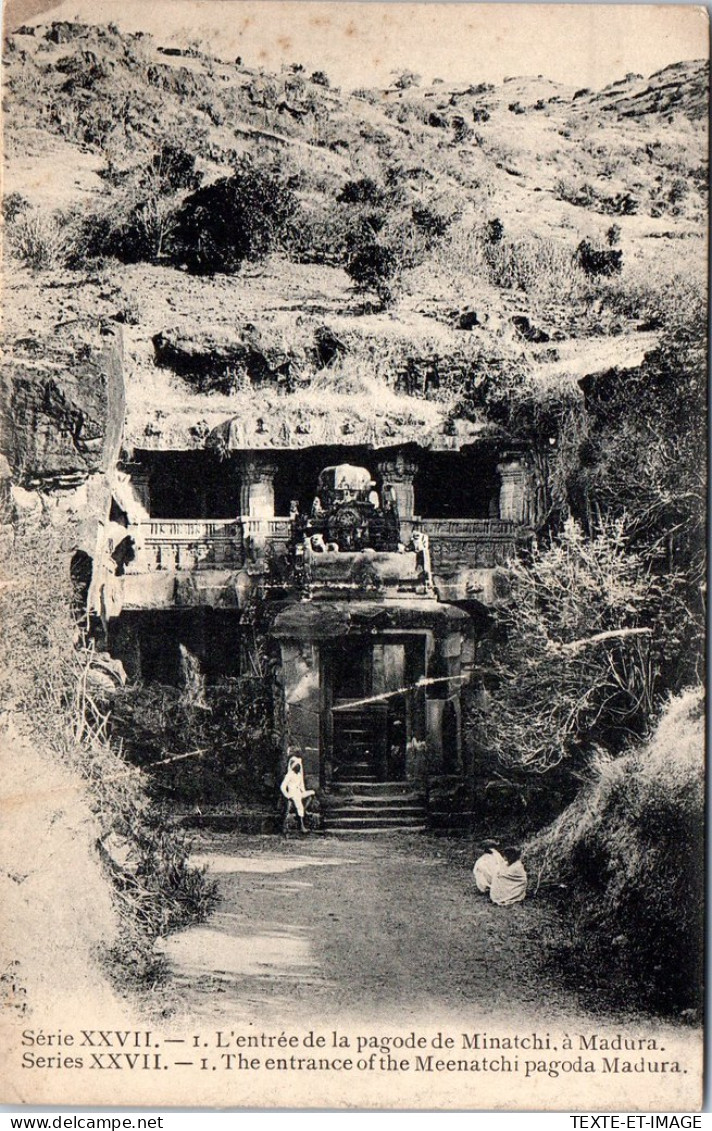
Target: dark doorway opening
{"points": [[450, 736], [148, 643], [358, 728], [80, 573], [374, 706], [192, 484], [457, 484]]}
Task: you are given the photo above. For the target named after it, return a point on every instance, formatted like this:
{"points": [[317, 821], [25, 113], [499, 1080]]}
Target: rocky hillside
{"points": [[414, 243]]}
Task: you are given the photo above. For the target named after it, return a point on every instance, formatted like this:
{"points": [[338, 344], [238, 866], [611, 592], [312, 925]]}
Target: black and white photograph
{"points": [[353, 475]]}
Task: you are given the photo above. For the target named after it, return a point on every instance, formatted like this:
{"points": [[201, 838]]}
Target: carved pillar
{"points": [[140, 481], [302, 703], [398, 473], [257, 488], [514, 489]]}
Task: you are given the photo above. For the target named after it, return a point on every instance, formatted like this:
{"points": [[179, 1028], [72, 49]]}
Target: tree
{"points": [[643, 450], [241, 217], [575, 668], [373, 266], [136, 217]]}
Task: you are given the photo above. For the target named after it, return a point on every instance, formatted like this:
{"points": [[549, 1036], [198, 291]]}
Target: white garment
{"points": [[486, 868], [509, 885]]}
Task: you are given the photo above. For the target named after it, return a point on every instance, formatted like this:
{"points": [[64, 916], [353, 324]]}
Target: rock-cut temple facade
{"points": [[378, 566]]}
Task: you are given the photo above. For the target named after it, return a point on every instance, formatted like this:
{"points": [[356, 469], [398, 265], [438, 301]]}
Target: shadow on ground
{"points": [[323, 927]]}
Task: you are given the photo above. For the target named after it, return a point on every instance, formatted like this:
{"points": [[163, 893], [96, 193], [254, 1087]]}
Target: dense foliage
{"points": [[630, 851], [573, 667], [625, 462], [241, 217], [214, 752], [51, 688]]}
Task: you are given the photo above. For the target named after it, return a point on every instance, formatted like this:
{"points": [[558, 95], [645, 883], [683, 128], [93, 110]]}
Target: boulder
{"points": [[213, 360], [526, 330], [64, 411]]}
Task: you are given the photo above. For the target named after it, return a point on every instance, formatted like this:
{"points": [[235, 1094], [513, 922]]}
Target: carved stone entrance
{"points": [[373, 706], [355, 693]]}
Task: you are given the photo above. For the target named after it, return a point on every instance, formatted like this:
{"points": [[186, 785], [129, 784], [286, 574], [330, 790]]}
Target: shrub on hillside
{"points": [[382, 243], [170, 168], [594, 261], [122, 227], [39, 239], [373, 265], [134, 219], [543, 268], [494, 230], [363, 191], [48, 664], [586, 195], [404, 80], [574, 667], [630, 850], [431, 222], [319, 234], [242, 217], [13, 206]]}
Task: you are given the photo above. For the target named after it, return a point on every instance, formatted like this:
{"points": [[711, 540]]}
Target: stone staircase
{"points": [[366, 806]]}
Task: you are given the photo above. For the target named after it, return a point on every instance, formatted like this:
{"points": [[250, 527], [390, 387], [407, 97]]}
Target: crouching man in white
{"points": [[487, 865], [509, 884]]}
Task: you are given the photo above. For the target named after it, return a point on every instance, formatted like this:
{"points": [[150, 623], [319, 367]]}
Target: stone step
{"points": [[373, 813], [381, 830], [362, 801], [373, 822], [373, 788]]}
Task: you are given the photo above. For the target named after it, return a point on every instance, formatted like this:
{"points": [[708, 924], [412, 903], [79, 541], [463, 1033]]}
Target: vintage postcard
{"points": [[352, 550]]}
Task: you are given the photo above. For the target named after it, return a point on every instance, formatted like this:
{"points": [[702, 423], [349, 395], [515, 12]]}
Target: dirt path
{"points": [[377, 943], [329, 927]]}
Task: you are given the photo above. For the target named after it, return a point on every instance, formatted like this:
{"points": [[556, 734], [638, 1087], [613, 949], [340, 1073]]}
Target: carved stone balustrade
{"points": [[470, 543], [180, 545], [458, 562], [267, 531], [186, 544]]}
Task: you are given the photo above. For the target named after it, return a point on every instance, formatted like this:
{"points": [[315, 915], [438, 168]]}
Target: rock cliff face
{"points": [[214, 361], [64, 409]]}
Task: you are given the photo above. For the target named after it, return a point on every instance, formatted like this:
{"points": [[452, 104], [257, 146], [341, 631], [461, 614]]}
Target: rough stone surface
{"points": [[64, 410], [214, 360], [323, 620]]}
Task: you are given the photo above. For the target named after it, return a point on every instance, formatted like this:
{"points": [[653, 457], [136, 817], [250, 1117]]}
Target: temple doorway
{"points": [[373, 706]]}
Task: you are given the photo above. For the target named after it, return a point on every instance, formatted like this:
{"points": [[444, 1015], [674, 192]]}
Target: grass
{"points": [[102, 836], [39, 239]]}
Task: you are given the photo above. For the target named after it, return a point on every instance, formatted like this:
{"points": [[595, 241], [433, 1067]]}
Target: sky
{"points": [[362, 44]]}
